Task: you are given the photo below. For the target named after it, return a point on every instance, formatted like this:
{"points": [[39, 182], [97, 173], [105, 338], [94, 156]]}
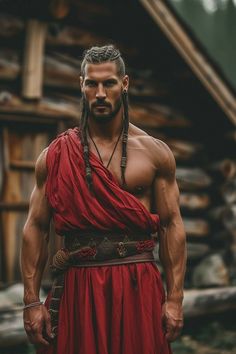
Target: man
{"points": [[100, 184]]}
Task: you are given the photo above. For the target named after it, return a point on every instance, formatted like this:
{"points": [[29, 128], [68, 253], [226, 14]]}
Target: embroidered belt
{"points": [[88, 251]]}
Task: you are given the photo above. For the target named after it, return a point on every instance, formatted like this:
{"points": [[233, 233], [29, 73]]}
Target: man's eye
{"points": [[109, 83], [91, 84]]}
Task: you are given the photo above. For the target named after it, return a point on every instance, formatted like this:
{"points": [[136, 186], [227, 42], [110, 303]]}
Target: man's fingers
{"points": [[173, 330], [37, 338], [34, 333]]}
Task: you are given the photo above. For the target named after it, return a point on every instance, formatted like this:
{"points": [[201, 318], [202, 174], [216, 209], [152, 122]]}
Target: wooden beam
{"points": [[32, 79], [197, 60]]}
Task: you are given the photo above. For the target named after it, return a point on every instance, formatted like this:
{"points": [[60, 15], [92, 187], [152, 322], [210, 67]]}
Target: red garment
{"points": [[107, 309]]}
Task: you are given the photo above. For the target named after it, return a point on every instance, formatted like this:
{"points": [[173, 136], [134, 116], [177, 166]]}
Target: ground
{"points": [[208, 335]]}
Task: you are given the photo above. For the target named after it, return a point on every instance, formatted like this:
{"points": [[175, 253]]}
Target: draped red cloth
{"points": [[107, 309]]}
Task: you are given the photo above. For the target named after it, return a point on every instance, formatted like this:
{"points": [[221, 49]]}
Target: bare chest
{"points": [[139, 173]]}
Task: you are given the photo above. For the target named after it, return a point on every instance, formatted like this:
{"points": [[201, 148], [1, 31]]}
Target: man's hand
{"points": [[37, 325], [172, 319]]}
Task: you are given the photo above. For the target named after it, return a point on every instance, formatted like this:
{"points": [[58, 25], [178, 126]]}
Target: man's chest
{"points": [[139, 174]]}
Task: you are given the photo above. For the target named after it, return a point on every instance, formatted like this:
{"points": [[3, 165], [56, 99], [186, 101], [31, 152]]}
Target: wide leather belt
{"points": [[96, 248]]}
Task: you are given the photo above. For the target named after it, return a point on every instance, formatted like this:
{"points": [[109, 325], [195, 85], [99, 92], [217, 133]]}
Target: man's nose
{"points": [[101, 92]]}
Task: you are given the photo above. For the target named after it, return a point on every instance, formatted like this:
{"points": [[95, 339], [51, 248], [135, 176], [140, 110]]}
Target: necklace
{"points": [[113, 151]]}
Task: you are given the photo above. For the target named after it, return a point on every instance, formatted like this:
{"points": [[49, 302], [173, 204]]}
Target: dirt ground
{"points": [[208, 335]]}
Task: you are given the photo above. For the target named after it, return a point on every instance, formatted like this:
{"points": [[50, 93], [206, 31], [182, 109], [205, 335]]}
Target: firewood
{"points": [[229, 219], [192, 178], [196, 227], [226, 169], [197, 251], [228, 191], [194, 202]]}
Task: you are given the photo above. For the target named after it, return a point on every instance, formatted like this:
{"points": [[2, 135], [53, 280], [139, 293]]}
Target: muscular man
{"points": [[111, 191]]}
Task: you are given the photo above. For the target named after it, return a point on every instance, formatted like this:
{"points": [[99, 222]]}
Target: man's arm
{"points": [[172, 247], [34, 256]]}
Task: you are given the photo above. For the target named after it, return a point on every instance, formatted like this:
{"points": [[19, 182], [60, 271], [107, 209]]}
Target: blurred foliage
{"points": [[213, 22]]}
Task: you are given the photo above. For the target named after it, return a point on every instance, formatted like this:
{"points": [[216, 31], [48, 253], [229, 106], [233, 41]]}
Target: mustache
{"points": [[100, 103]]}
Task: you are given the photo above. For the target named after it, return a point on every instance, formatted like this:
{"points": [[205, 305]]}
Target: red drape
{"points": [[108, 208], [107, 309]]}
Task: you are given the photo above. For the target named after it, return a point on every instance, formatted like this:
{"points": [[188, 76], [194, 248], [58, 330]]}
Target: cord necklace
{"points": [[113, 151]]}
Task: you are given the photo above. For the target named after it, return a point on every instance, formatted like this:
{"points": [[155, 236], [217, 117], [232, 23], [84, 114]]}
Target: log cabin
{"points": [[177, 94]]}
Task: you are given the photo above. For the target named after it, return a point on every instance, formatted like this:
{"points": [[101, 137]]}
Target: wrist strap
{"points": [[33, 304]]}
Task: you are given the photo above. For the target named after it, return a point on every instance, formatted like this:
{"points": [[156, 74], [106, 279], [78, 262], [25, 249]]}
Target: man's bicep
{"points": [[39, 209], [166, 193]]}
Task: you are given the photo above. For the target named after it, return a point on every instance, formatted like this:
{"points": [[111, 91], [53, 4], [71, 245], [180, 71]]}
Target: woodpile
{"points": [[39, 97]]}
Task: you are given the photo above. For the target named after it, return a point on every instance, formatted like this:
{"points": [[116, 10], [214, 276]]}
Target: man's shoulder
{"points": [[155, 146], [41, 168]]}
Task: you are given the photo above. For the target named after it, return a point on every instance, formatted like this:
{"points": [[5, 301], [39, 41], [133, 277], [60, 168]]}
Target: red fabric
{"points": [[108, 208], [111, 310], [108, 309]]}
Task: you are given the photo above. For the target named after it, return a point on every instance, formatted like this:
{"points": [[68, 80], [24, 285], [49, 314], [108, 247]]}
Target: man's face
{"points": [[102, 89]]}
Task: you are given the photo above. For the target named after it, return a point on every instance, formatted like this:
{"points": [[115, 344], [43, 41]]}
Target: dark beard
{"points": [[102, 119]]}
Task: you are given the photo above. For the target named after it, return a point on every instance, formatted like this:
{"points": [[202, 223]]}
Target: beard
{"points": [[102, 118]]}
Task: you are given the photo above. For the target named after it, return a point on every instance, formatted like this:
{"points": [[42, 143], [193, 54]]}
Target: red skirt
{"points": [[111, 310]]}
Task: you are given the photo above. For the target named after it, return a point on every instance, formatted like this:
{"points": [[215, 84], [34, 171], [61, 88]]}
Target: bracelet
{"points": [[33, 304]]}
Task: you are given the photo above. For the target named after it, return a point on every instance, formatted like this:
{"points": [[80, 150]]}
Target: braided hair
{"points": [[96, 55]]}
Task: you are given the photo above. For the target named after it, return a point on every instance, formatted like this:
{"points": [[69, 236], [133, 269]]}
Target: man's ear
{"points": [[81, 79], [125, 82]]}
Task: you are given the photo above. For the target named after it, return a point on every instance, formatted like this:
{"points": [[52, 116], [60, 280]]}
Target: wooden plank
{"points": [[56, 106], [32, 72], [50, 122], [154, 115], [77, 37]]}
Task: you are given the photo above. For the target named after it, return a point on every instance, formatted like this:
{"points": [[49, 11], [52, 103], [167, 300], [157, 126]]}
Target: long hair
{"points": [[97, 55]]}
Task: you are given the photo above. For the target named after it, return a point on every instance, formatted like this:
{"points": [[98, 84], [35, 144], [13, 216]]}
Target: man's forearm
{"points": [[172, 253], [33, 260]]}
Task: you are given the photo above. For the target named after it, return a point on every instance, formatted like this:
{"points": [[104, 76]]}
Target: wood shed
{"points": [[177, 94]]}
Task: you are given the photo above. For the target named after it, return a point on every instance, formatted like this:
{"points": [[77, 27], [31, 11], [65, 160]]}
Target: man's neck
{"points": [[107, 130]]}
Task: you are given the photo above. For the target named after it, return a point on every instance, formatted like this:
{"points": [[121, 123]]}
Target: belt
{"points": [[93, 252]]}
